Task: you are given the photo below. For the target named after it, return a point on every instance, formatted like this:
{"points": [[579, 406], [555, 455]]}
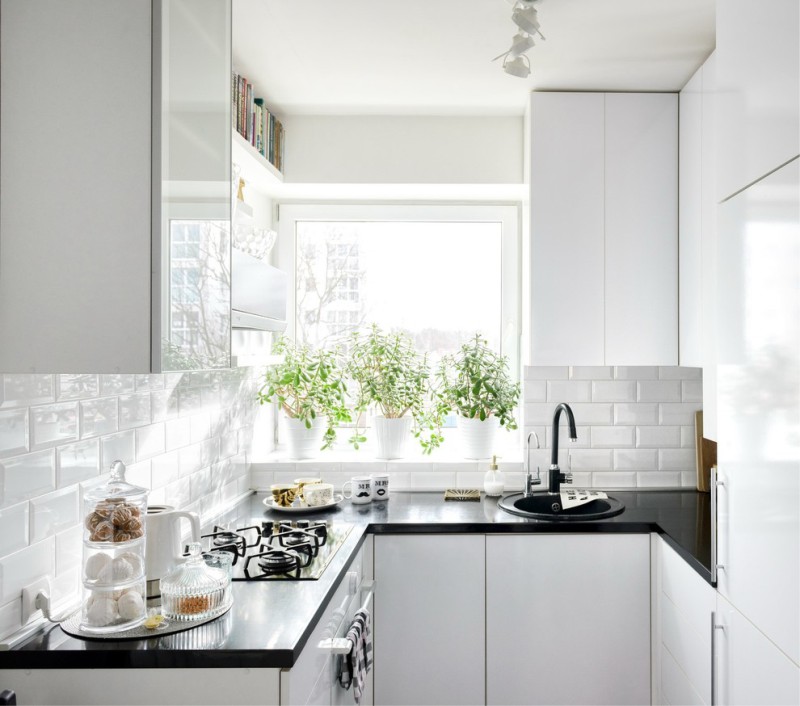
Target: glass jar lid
{"points": [[194, 576], [117, 487]]}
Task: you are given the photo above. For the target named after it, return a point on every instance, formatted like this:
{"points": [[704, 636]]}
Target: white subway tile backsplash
{"points": [[688, 479], [163, 405], [692, 391], [134, 410], [178, 494], [53, 424], [69, 549], [546, 372], [262, 479], [612, 437], [638, 372], [200, 484], [54, 513], [687, 437], [430, 480], [636, 459], [677, 413], [25, 389], [658, 479], [534, 391], [584, 440], [178, 432], [200, 427], [165, 469], [469, 479], [116, 384], [680, 373], [14, 525], [190, 459], [657, 437], [23, 477], [76, 387], [618, 479], [594, 414], [117, 447], [598, 372], [19, 569], [10, 617], [406, 466], [139, 473], [147, 383], [676, 459], [659, 391], [569, 391], [14, 432], [590, 460], [98, 417], [636, 413], [614, 391], [77, 462], [150, 441]]}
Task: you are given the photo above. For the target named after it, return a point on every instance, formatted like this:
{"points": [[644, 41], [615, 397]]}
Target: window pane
{"points": [[438, 281]]}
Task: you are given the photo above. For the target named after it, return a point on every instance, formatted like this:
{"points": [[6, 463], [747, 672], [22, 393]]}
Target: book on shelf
{"points": [[256, 123]]}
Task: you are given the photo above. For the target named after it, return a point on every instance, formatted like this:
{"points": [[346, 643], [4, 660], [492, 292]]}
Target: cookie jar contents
{"points": [[113, 555]]}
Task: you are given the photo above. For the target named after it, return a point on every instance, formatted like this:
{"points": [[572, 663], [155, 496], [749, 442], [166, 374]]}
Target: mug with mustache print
{"points": [[360, 490], [380, 486]]}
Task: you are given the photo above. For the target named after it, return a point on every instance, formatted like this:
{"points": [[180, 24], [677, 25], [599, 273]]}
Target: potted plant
{"points": [[477, 386], [308, 386], [391, 377]]}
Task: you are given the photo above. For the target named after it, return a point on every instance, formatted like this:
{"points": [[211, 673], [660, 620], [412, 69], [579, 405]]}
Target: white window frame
{"points": [[508, 215]]}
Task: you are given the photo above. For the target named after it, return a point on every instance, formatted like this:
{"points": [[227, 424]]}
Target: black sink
{"points": [[544, 506]]}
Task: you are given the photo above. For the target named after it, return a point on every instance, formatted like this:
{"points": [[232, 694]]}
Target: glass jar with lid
{"points": [[113, 555], [194, 590]]}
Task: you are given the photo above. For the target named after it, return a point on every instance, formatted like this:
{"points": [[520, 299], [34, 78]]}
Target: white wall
{"points": [[404, 150]]}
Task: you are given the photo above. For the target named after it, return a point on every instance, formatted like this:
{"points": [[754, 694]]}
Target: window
{"points": [[438, 273]]}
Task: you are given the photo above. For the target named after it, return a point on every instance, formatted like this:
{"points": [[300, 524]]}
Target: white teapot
{"points": [[164, 547]]}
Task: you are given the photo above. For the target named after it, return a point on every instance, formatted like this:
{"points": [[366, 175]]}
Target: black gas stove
{"points": [[266, 550]]}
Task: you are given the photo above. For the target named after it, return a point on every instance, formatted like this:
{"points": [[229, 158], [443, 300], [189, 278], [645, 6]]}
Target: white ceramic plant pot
{"points": [[302, 442], [392, 436], [477, 437]]}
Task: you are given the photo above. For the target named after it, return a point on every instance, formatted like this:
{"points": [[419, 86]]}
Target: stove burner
{"points": [[273, 562], [221, 538], [233, 541]]}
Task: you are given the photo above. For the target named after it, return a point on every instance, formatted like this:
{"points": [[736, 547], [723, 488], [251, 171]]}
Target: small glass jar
{"points": [[194, 590], [113, 555]]}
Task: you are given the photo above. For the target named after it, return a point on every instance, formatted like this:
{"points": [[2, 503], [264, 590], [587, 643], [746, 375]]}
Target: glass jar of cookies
{"points": [[113, 555], [194, 590]]}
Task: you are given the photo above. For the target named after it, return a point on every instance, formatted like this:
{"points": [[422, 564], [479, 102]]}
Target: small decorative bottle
{"points": [[493, 481]]}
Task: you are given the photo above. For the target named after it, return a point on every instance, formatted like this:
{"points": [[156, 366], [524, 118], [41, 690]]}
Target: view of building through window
{"points": [[439, 282]]}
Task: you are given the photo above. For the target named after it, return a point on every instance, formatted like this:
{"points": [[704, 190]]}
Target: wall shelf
{"points": [[256, 171]]}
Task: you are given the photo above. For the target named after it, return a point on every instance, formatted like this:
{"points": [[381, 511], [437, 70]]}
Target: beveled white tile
{"points": [[594, 414], [688, 479], [14, 525], [165, 469], [178, 493], [614, 391], [200, 427], [19, 569], [163, 405], [190, 401], [190, 459], [314, 468], [657, 437], [23, 477], [134, 410], [140, 474], [69, 549], [658, 479], [116, 384], [432, 480], [179, 432], [534, 391], [98, 417], [636, 414], [570, 391], [658, 391], [687, 437], [546, 372], [676, 459], [157, 496], [636, 372], [677, 413], [53, 424], [616, 479], [591, 372], [14, 432], [65, 586], [612, 437], [150, 441], [692, 391], [408, 466], [460, 466], [120, 446], [77, 462], [76, 387], [635, 459], [400, 480], [147, 383], [590, 460], [584, 440], [680, 373], [228, 444], [582, 479], [200, 484], [469, 479], [26, 389], [54, 512]]}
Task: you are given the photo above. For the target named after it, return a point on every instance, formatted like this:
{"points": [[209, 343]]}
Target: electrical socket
{"points": [[29, 594]]}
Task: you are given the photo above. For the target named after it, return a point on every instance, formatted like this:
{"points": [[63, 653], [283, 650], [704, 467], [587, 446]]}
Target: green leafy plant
{"points": [[476, 383], [307, 384], [391, 376]]}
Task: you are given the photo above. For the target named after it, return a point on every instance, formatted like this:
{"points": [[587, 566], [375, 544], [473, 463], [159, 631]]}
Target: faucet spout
{"points": [[530, 481], [556, 477]]}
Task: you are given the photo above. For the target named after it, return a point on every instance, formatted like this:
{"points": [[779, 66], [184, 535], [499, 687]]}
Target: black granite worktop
{"points": [[270, 622]]}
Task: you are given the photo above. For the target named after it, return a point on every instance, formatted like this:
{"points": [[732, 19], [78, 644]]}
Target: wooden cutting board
{"points": [[706, 454]]}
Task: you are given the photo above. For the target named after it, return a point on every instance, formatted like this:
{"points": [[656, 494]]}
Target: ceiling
{"points": [[433, 57]]}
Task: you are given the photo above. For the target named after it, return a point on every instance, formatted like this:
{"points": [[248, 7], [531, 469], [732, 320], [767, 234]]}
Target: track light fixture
{"points": [[524, 15]]}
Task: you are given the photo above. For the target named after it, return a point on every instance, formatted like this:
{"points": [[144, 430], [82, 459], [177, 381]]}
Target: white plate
{"points": [[270, 503]]}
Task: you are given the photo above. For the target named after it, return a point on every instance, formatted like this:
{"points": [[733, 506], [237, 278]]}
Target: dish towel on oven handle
{"points": [[356, 664]]}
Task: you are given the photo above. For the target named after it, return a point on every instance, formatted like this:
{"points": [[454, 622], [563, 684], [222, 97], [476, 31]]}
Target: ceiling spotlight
{"points": [[520, 43], [525, 19], [520, 66]]}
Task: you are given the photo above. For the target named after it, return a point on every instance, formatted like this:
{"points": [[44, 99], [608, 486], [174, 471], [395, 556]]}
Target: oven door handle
{"points": [[341, 645]]}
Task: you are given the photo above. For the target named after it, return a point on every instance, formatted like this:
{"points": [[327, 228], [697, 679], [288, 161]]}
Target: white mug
{"points": [[380, 486], [361, 490]]}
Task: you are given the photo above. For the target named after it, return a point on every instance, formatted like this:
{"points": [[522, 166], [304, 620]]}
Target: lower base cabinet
{"points": [[568, 619]]}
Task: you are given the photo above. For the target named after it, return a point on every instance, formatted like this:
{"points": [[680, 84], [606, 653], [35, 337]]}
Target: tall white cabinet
{"points": [[603, 255]]}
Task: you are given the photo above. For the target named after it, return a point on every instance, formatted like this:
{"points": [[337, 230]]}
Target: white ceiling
{"points": [[433, 57]]}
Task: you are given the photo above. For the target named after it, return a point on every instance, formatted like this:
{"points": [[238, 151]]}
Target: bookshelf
{"points": [[257, 172]]}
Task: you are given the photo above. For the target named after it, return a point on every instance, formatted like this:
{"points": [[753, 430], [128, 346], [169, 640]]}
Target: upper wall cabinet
{"points": [[114, 215], [604, 229], [758, 81]]}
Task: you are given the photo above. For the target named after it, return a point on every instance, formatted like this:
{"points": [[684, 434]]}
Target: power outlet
{"points": [[29, 594]]}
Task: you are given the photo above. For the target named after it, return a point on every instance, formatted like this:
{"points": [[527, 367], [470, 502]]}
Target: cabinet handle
{"points": [[714, 628], [714, 484]]}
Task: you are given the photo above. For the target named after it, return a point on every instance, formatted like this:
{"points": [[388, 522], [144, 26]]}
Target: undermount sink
{"points": [[547, 506]]}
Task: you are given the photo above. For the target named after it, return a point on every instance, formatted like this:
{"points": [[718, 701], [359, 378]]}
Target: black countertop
{"points": [[271, 621]]}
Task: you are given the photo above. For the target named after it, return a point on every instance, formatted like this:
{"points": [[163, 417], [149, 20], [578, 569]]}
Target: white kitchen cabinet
{"points": [[568, 619], [749, 669], [758, 79], [759, 414], [683, 605], [604, 229], [429, 619]]}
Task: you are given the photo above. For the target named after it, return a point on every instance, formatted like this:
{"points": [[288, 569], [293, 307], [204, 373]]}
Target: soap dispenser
{"points": [[493, 481]]}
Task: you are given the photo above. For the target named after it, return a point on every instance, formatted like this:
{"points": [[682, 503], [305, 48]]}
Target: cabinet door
{"points": [[567, 211], [690, 262], [749, 669], [568, 619], [429, 619], [758, 79], [641, 229], [759, 415]]}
